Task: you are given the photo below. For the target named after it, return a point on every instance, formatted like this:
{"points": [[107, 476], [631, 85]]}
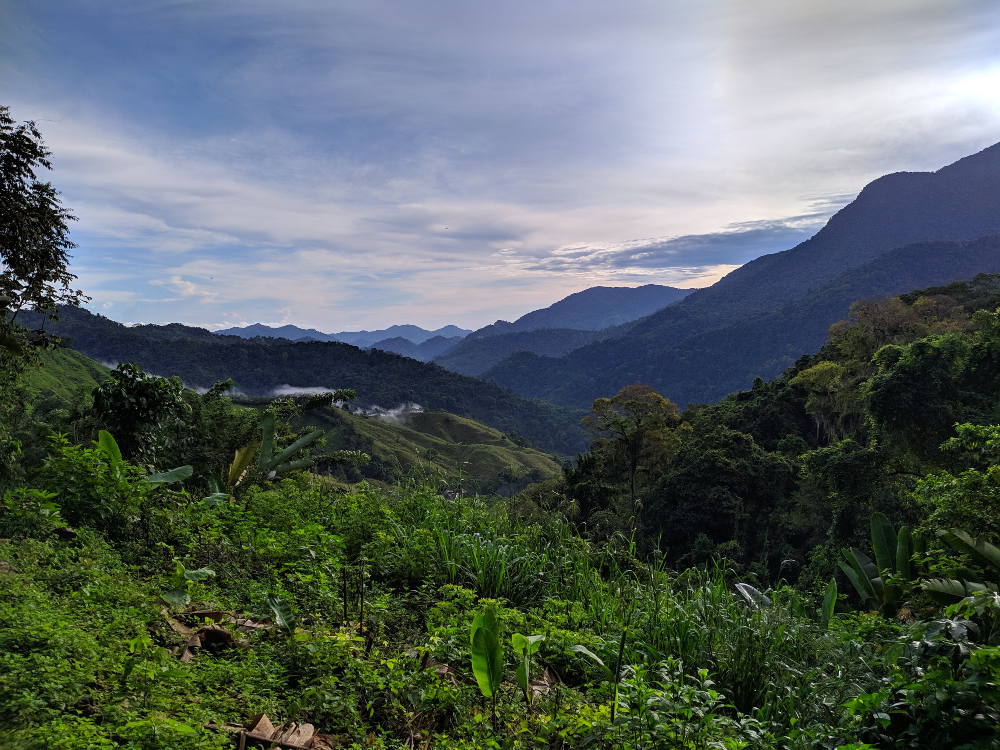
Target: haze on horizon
{"points": [[349, 166]]}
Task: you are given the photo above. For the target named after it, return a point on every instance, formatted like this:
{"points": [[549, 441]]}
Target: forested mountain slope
{"points": [[706, 366], [592, 309], [958, 202], [259, 366], [476, 355]]}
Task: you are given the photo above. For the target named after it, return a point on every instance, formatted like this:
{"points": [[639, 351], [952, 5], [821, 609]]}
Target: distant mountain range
{"points": [[362, 339], [267, 366], [574, 321], [903, 230]]}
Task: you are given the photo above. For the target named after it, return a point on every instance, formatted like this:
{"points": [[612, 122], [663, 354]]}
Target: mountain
{"points": [[425, 351], [960, 202], [261, 366], [363, 339], [592, 309], [574, 321], [474, 356], [292, 333]]}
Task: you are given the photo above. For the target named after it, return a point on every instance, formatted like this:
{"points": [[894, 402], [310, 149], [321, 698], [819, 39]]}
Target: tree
{"points": [[34, 235], [34, 242], [635, 417]]}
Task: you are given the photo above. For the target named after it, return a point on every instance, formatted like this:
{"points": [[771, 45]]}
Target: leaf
{"points": [[755, 598], [883, 542], [283, 616], [198, 575], [176, 597], [519, 642], [829, 603], [487, 618], [904, 551], [299, 445], [979, 548], [177, 474], [109, 446], [591, 655], [266, 440], [216, 498], [240, 463], [487, 660]]}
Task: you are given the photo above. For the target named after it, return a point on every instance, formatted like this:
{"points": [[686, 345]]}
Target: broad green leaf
{"points": [[282, 614], [755, 598], [198, 575], [904, 551], [266, 441], [829, 604], [244, 456], [590, 654], [109, 446], [883, 542], [961, 541], [487, 660], [216, 498], [299, 445], [177, 474]]}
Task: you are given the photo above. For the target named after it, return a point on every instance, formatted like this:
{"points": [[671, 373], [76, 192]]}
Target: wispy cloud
{"points": [[351, 166]]}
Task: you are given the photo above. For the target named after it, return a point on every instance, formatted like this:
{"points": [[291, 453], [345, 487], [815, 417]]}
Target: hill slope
{"points": [[259, 366], [474, 356], [706, 366], [958, 202], [411, 333]]}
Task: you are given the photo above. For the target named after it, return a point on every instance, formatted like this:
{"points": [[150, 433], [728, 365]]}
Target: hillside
{"points": [[425, 351], [261, 365], [956, 203], [474, 356], [706, 366], [593, 309], [467, 455], [65, 374]]}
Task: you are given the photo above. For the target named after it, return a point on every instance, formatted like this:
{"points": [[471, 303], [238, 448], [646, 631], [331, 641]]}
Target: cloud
{"points": [[346, 166]]}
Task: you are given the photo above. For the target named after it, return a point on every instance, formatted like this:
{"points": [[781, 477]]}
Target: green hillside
{"points": [[65, 374], [436, 444]]}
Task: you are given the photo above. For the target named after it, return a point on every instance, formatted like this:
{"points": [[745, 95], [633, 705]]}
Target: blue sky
{"points": [[345, 165]]}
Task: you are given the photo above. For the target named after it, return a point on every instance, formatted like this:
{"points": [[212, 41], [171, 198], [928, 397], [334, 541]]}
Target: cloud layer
{"points": [[345, 166]]}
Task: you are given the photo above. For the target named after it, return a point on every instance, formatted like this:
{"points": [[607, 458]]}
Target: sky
{"points": [[345, 165]]}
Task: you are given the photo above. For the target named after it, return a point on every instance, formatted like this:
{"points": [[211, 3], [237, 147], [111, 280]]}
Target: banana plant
{"points": [[487, 656], [950, 589], [526, 646], [878, 583], [270, 461]]}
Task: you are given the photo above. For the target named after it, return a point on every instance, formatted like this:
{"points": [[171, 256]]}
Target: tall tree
{"points": [[635, 417], [34, 231], [34, 275]]}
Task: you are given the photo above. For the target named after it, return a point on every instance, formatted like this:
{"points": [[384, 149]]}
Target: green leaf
{"points": [[283, 616], [591, 655], [961, 541], [829, 603], [488, 619], [177, 597], [109, 446], [299, 445], [216, 498], [755, 598], [240, 463], [883, 542], [266, 440], [177, 474], [198, 575], [487, 660], [904, 553]]}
